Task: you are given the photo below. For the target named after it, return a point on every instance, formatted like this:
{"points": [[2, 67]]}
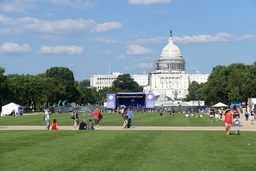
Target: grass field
{"points": [[126, 150], [135, 150], [146, 119]]}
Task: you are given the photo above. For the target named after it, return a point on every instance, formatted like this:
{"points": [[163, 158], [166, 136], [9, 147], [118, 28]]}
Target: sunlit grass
{"points": [[110, 119]]}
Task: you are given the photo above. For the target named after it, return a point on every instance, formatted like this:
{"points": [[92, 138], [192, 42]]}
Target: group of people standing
{"points": [[83, 125]]}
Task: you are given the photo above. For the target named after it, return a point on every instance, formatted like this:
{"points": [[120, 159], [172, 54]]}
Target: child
{"points": [[237, 123], [54, 124], [90, 125]]}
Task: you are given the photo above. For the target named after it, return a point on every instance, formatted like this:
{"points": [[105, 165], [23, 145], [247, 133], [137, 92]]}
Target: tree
{"points": [[108, 90], [84, 83], [4, 90], [66, 78], [89, 96], [126, 84], [226, 84], [194, 90]]}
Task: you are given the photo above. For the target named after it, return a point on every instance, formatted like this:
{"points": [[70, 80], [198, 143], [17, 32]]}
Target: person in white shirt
{"points": [[47, 118], [237, 123]]}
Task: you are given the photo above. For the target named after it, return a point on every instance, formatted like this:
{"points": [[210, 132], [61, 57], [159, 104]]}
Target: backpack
{"points": [[100, 116]]}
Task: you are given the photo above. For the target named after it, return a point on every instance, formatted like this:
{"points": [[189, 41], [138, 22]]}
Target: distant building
{"points": [[168, 81]]}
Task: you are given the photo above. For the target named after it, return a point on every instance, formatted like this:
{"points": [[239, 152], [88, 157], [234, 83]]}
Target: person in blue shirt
{"points": [[129, 117], [237, 123]]}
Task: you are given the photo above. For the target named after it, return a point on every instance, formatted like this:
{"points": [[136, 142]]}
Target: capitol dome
{"points": [[171, 60], [171, 50]]}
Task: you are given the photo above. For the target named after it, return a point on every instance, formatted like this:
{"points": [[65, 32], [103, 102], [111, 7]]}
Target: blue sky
{"points": [[88, 36]]}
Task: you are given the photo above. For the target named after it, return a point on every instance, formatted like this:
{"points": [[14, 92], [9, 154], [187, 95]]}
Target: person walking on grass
{"points": [[252, 116], [246, 113], [125, 118], [217, 114], [96, 117], [47, 118], [211, 114], [228, 120], [75, 117], [129, 116], [237, 123]]}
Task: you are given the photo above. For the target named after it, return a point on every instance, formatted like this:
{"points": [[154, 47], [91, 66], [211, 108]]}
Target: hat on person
{"points": [[84, 120]]}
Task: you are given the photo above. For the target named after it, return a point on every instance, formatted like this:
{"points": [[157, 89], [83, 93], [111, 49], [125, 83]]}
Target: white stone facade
{"points": [[168, 81]]}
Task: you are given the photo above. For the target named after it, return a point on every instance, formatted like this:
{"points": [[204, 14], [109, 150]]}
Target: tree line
{"points": [[56, 85], [233, 83]]}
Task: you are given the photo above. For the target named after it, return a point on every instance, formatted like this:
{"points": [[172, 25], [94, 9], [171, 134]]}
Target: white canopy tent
{"points": [[8, 108], [220, 105]]}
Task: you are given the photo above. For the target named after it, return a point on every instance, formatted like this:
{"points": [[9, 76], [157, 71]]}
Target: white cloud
{"points": [[102, 40], [137, 50], [12, 9], [63, 50], [147, 2], [144, 66], [220, 37], [120, 57], [16, 6], [14, 48], [246, 37], [110, 26], [45, 28]]}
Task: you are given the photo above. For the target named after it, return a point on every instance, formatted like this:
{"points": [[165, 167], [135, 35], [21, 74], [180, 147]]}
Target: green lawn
{"points": [[146, 119], [126, 150]]}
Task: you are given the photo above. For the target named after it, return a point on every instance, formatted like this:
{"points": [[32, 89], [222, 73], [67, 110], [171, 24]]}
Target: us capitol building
{"points": [[168, 81]]}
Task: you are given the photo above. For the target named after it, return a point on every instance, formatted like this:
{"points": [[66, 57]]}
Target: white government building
{"points": [[168, 81]]}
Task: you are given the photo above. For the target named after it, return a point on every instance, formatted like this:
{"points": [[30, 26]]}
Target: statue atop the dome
{"points": [[170, 33]]}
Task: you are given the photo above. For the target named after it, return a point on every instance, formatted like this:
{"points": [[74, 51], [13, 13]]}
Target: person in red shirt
{"points": [[96, 117], [54, 124], [228, 120]]}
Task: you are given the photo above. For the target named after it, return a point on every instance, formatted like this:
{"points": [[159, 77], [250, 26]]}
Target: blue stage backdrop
{"points": [[136, 100]]}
